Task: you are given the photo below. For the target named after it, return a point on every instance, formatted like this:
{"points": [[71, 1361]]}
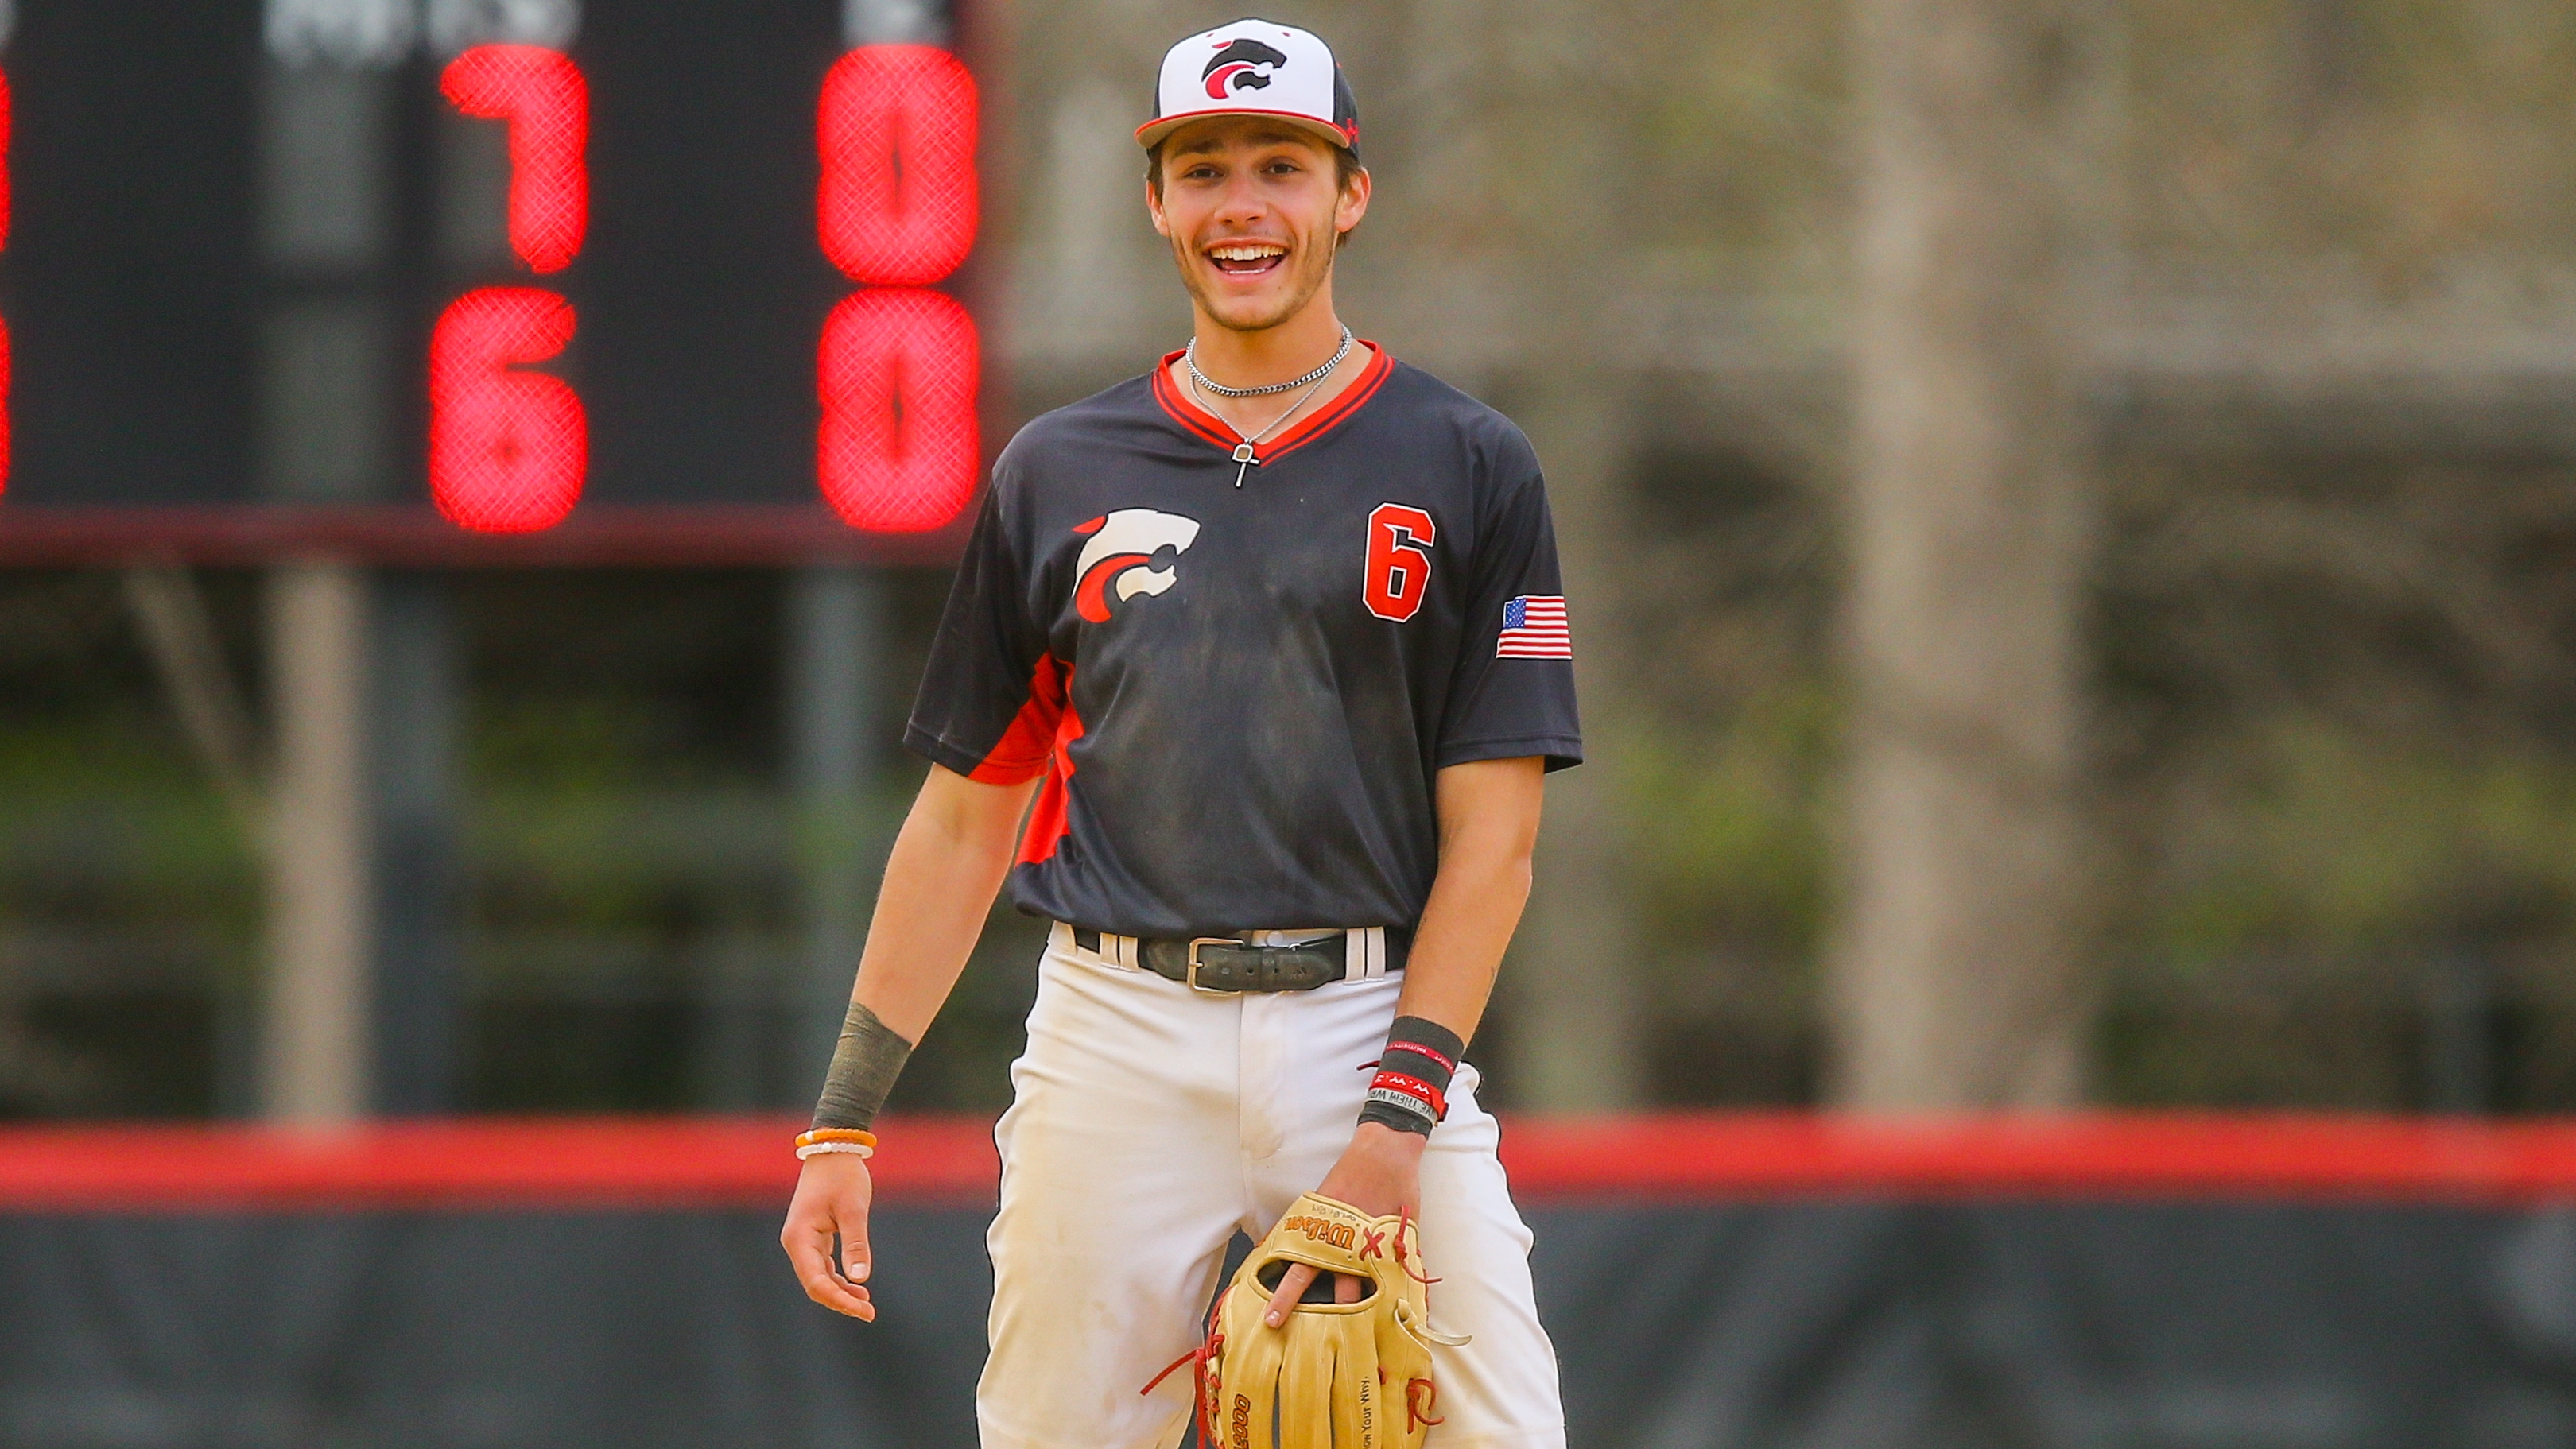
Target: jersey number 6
{"points": [[1399, 561]]}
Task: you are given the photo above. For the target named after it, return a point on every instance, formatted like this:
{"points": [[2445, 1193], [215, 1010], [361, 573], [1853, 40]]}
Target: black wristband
{"points": [[1387, 1114], [864, 1066], [1420, 1047], [1410, 1091]]}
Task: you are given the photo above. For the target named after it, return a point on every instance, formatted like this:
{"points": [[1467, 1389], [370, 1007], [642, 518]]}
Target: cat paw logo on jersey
{"points": [[1130, 552], [1243, 65]]}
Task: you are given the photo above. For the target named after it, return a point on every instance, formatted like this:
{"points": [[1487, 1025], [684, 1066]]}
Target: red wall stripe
{"points": [[2100, 1156], [643, 1163], [470, 1163]]}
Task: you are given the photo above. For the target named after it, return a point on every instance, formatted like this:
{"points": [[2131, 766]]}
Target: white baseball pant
{"points": [[1149, 1123]]}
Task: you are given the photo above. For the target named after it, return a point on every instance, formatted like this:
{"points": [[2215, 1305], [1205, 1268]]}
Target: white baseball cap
{"points": [[1254, 68]]}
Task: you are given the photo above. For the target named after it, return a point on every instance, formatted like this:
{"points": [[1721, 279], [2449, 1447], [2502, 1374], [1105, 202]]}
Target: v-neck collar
{"points": [[1186, 411]]}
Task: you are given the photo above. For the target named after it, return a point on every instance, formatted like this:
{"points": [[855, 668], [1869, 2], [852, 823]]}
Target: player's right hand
{"points": [[832, 1195]]}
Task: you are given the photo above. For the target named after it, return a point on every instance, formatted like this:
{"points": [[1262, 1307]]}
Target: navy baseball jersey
{"points": [[1238, 696]]}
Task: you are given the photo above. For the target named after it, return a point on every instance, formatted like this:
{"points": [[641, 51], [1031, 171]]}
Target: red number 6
{"points": [[1399, 561], [507, 449]]}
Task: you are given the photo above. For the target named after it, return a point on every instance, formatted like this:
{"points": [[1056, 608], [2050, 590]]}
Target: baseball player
{"points": [[1274, 635]]}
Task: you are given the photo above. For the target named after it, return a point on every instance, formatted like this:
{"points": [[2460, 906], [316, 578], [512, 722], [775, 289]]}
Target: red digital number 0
{"points": [[897, 207], [1399, 561], [542, 95], [899, 440], [507, 449]]}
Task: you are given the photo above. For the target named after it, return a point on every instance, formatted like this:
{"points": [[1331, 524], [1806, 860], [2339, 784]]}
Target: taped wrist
{"points": [[864, 1066], [1411, 1090]]}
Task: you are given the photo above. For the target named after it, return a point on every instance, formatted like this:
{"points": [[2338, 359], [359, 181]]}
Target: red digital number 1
{"points": [[508, 449], [896, 210]]}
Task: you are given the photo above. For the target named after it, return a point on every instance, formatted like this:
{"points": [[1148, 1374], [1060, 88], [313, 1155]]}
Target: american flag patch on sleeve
{"points": [[1534, 628]]}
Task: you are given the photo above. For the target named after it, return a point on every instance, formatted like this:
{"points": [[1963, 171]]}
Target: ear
{"points": [[1353, 203], [1154, 209]]}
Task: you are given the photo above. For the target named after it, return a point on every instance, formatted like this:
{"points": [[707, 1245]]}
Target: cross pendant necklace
{"points": [[1243, 457]]}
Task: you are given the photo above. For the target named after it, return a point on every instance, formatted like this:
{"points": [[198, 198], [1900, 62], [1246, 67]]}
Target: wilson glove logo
{"points": [[1244, 65], [1130, 552], [1323, 1230]]}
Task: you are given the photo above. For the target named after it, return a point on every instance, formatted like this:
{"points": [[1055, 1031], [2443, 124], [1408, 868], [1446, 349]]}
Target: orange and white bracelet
{"points": [[835, 1139]]}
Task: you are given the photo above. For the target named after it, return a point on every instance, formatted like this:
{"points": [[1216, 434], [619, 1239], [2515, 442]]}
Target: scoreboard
{"points": [[492, 267]]}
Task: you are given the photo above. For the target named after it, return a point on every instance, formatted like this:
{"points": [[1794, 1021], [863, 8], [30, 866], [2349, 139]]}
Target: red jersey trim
{"points": [[1050, 819], [1305, 430], [1023, 749], [1187, 413], [1040, 740]]}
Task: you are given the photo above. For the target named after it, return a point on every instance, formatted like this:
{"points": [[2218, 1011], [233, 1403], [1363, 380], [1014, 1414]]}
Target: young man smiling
{"points": [[1276, 636]]}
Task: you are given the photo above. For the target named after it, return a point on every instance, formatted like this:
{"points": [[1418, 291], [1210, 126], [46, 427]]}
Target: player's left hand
{"points": [[1380, 1174]]}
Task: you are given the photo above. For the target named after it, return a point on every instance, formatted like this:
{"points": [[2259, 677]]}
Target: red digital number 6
{"points": [[507, 449], [1399, 561]]}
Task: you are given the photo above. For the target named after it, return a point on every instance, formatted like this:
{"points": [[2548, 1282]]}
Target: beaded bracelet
{"points": [[836, 1139], [837, 1134]]}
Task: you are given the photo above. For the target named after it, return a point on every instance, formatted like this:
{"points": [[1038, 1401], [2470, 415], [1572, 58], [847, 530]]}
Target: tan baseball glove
{"points": [[1335, 1375]]}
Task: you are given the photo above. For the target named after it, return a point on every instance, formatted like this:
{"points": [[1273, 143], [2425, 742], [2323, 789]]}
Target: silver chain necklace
{"points": [[1190, 360], [1243, 456]]}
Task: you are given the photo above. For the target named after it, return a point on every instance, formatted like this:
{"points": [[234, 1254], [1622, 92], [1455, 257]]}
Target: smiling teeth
{"points": [[1245, 253]]}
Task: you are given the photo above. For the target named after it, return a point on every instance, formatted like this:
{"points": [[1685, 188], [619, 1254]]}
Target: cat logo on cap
{"points": [[1242, 65]]}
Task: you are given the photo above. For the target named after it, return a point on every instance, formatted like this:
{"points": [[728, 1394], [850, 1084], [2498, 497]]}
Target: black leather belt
{"points": [[1222, 963]]}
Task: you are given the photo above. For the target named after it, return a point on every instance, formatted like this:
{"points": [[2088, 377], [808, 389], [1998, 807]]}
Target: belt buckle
{"points": [[1192, 979]]}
